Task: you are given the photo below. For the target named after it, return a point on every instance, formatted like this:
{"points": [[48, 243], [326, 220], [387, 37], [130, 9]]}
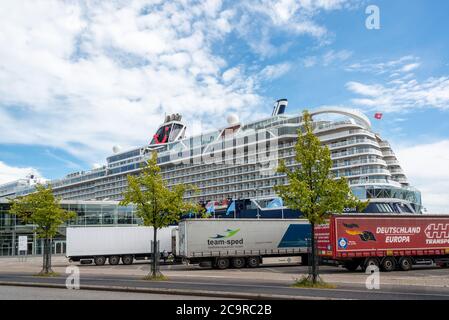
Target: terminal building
{"points": [[89, 213]]}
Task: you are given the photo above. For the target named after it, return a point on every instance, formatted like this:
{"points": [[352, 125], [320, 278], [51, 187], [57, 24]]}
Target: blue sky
{"points": [[77, 78]]}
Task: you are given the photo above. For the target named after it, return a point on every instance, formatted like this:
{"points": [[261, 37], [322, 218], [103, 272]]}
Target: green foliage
{"points": [[47, 274], [312, 189], [307, 282], [157, 205], [159, 277], [41, 209]]}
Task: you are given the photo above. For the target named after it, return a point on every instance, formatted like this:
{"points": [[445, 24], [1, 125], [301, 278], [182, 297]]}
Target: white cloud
{"points": [[8, 173], [403, 94], [336, 56], [87, 77], [427, 166], [310, 61], [401, 90], [394, 68], [365, 90], [410, 67], [272, 72], [231, 74], [84, 76], [258, 18], [331, 57]]}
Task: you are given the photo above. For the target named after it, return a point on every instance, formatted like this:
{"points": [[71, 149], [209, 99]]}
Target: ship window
{"points": [[402, 208], [162, 135], [175, 131], [379, 208]]}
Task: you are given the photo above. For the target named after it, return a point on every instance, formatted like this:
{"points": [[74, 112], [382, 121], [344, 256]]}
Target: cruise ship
{"points": [[238, 162]]}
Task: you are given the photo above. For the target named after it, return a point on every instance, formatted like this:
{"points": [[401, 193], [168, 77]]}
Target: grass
{"points": [[306, 282], [159, 277], [47, 275]]}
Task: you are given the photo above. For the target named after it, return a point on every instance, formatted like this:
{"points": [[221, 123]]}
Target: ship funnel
{"points": [[173, 117], [279, 107]]}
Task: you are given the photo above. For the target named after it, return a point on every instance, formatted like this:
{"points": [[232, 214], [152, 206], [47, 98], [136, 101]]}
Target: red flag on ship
{"points": [[378, 116]]}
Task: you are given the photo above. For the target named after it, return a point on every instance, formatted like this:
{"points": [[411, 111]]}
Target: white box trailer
{"points": [[115, 243], [241, 242]]}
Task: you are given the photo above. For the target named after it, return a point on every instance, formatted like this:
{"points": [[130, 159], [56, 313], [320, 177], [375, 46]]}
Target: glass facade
{"points": [[88, 213], [408, 194]]}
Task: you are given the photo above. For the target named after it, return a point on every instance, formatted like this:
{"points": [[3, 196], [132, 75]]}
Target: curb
{"points": [[201, 293]]}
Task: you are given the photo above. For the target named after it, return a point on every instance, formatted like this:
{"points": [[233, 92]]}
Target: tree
{"points": [[157, 205], [43, 210], [312, 188]]}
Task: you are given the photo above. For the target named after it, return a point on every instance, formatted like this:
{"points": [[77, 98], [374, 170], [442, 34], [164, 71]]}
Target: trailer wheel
{"points": [[388, 264], [405, 264], [370, 262], [222, 263], [253, 262], [127, 260], [114, 260], [238, 263], [100, 261]]}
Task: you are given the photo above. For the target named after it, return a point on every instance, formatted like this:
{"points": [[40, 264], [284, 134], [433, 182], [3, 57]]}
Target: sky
{"points": [[78, 77]]}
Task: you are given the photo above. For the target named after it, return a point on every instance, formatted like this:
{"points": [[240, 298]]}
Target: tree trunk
{"points": [[50, 242], [44, 257], [155, 253], [46, 265], [314, 257]]}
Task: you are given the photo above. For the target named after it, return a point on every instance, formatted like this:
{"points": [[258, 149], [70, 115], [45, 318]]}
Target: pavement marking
{"points": [[273, 270]]}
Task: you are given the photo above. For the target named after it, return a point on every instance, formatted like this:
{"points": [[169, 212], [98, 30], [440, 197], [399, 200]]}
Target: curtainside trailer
{"points": [[389, 242], [238, 243], [115, 244]]}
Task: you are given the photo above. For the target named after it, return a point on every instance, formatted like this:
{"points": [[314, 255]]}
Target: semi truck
{"points": [[115, 244], [238, 243], [388, 242]]}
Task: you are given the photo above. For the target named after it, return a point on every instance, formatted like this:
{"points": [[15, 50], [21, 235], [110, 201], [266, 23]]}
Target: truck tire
{"points": [[114, 260], [127, 260], [222, 263], [352, 265], [100, 261], [253, 262], [405, 264], [370, 262], [238, 263], [388, 264]]}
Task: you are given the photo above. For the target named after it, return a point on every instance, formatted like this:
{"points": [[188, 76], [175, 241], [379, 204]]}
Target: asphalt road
{"points": [[257, 286], [27, 293], [419, 284]]}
